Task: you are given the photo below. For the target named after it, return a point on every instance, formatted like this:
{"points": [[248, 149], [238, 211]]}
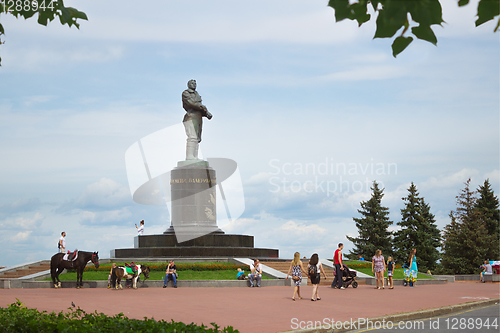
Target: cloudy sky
{"points": [[311, 110]]}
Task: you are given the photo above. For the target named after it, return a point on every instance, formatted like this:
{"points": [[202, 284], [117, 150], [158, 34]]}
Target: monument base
{"points": [[211, 245], [199, 252]]}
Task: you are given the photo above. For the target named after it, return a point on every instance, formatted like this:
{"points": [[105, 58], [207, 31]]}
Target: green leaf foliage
{"points": [[390, 20], [18, 318], [400, 15], [425, 33], [400, 44], [47, 11], [487, 10]]}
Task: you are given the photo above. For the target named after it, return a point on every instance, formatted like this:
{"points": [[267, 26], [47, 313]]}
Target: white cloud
{"points": [[493, 176], [22, 222], [449, 181], [283, 81], [106, 217], [21, 236], [293, 229], [104, 193], [258, 179], [37, 58]]}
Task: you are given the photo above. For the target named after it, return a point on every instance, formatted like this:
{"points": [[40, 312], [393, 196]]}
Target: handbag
{"points": [[295, 278]]}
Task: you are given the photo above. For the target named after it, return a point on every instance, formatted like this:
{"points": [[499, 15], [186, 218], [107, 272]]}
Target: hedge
{"points": [[18, 318]]}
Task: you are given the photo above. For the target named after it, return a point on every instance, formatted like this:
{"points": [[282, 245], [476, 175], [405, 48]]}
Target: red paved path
{"points": [[268, 309]]}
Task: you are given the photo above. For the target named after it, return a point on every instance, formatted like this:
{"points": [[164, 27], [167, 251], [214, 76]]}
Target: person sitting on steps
{"points": [[171, 273]]}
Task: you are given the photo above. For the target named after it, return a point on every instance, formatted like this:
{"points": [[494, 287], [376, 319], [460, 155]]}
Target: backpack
{"points": [[313, 271], [58, 244]]}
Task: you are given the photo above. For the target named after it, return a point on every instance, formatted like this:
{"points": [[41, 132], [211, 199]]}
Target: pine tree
{"points": [[488, 206], [372, 227], [430, 242], [465, 239], [418, 230]]}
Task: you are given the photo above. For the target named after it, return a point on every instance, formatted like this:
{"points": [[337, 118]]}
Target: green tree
{"points": [[418, 230], [465, 239], [372, 227], [429, 252], [47, 10], [488, 206], [408, 16]]}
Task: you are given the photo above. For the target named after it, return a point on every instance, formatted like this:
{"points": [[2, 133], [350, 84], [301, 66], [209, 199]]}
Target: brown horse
{"points": [[120, 273], [58, 264]]}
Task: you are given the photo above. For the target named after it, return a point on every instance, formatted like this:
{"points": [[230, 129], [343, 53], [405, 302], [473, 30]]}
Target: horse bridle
{"points": [[95, 261]]}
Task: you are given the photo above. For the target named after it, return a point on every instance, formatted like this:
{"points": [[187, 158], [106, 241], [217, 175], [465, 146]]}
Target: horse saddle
{"points": [[130, 271], [71, 256]]}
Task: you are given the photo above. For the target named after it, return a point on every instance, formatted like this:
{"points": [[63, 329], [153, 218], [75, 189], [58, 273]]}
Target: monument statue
{"points": [[193, 120]]}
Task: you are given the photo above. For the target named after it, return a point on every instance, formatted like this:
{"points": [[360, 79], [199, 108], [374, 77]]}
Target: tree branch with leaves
{"points": [[413, 17], [47, 11]]}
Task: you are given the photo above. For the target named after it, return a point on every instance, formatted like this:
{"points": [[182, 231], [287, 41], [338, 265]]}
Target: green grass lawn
{"points": [[158, 275]]}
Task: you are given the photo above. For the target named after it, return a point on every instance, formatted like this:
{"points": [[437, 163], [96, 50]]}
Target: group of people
{"points": [[314, 272], [255, 276], [379, 266]]}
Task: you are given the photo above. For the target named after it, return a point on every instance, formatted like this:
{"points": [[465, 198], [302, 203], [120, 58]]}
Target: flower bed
{"points": [[181, 267]]}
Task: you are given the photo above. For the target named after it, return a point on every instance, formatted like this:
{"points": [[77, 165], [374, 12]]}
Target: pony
{"points": [[58, 264], [120, 272]]}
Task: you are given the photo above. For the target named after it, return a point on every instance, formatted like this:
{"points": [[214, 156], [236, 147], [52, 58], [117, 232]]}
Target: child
{"points": [[110, 272], [241, 274], [390, 272]]}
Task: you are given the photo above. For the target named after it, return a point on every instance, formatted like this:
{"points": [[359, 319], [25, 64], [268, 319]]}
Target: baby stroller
{"points": [[409, 279], [349, 277]]}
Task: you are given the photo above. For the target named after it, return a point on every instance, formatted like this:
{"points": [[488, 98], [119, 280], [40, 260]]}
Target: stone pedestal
{"points": [[193, 195], [212, 245], [193, 231]]}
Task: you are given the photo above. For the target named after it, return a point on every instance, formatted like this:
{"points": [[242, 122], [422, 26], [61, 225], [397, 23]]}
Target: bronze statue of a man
{"points": [[195, 111]]}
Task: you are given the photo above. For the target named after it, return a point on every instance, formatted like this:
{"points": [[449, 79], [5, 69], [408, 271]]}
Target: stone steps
{"points": [[25, 271]]}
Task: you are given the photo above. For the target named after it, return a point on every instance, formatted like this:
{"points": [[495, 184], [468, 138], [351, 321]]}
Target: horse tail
{"points": [[54, 262], [113, 277]]}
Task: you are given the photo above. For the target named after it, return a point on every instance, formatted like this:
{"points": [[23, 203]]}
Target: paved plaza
{"points": [[266, 309]]}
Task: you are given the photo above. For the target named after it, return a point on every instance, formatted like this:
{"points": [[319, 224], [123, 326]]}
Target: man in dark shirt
{"points": [[170, 273]]}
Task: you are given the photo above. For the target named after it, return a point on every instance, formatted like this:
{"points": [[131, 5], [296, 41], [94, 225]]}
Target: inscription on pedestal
{"points": [[193, 192]]}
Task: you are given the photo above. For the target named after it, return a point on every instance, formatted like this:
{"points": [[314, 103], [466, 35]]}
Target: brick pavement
{"points": [[267, 309]]}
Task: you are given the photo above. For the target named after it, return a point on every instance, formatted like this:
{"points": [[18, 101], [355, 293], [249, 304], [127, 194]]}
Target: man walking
{"points": [[339, 266]]}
